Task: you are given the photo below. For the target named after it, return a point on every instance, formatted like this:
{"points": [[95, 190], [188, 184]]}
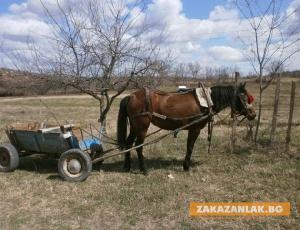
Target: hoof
{"points": [[186, 167], [145, 172], [126, 169]]}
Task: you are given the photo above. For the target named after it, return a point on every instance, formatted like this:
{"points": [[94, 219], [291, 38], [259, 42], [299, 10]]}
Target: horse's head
{"points": [[243, 103]]}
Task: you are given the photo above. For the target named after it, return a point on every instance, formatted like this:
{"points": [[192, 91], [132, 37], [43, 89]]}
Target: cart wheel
{"points": [[74, 165], [9, 158]]}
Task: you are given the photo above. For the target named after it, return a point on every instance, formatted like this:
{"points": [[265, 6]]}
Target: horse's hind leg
{"points": [[192, 137], [140, 140], [129, 141]]}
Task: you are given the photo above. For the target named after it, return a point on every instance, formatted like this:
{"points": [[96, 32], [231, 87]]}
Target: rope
{"points": [[222, 119], [104, 135], [209, 134], [157, 131], [93, 136], [152, 141]]}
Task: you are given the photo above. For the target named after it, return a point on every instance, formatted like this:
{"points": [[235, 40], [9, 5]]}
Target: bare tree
{"points": [[180, 72], [101, 47], [155, 75], [209, 73], [271, 39], [223, 73], [194, 69]]}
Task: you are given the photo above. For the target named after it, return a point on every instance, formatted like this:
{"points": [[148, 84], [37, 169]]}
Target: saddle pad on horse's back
{"points": [[202, 98]]}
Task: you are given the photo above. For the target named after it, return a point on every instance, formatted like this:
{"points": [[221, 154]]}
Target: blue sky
{"points": [[4, 4], [200, 8], [192, 8], [205, 31]]}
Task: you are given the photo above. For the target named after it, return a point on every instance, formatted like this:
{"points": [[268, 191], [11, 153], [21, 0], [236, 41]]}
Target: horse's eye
{"points": [[243, 97]]}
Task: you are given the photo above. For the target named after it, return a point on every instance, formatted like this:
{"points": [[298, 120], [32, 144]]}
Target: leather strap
{"points": [[206, 98], [148, 103], [210, 121]]}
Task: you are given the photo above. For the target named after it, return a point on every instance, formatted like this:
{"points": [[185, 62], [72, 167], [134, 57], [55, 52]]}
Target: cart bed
{"points": [[47, 140]]}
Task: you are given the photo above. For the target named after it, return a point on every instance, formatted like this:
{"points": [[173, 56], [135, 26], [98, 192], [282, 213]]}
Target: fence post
{"points": [[290, 121], [234, 120], [275, 110]]}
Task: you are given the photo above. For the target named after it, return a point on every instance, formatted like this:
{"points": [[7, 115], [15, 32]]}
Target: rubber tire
{"points": [[84, 157], [13, 158]]}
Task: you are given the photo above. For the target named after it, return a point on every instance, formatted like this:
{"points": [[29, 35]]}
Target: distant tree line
{"points": [[21, 83]]}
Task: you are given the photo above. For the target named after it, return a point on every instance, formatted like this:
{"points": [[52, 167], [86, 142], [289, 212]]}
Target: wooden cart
{"points": [[74, 154]]}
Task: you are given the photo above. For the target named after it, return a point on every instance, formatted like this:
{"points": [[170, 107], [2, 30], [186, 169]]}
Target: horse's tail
{"points": [[122, 122]]}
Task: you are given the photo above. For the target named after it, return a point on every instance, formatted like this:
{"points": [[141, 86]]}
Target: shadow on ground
{"points": [[38, 164], [44, 165], [150, 164]]}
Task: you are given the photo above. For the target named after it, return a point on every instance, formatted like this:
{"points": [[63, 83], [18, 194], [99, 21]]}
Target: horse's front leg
{"points": [[192, 137]]}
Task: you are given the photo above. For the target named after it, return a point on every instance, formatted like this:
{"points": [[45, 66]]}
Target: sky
{"points": [[211, 32]]}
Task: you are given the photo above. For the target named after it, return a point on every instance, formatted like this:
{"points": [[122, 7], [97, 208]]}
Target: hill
{"points": [[19, 83]]}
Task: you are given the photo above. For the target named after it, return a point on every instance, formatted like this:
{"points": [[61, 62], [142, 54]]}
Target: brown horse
{"points": [[170, 111]]}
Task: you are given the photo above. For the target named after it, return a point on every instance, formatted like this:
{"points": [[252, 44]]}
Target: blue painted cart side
{"points": [[49, 141], [38, 142]]}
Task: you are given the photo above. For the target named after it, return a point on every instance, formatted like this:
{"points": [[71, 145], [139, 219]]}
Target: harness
{"points": [[211, 119], [148, 100], [149, 112]]}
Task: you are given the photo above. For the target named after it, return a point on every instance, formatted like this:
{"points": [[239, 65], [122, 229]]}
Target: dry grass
{"points": [[35, 197]]}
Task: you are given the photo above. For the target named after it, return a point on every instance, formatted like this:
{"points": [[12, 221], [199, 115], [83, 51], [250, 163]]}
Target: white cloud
{"points": [[18, 26], [293, 22], [185, 36], [17, 8], [165, 11], [36, 6], [222, 13], [226, 54], [210, 41]]}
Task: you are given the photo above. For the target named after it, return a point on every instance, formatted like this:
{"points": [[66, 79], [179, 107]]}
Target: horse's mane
{"points": [[222, 96]]}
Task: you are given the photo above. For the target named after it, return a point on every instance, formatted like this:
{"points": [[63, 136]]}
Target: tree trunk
{"points": [[275, 111], [259, 106], [102, 121]]}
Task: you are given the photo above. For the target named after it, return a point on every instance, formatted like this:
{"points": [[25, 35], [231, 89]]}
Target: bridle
{"points": [[246, 105]]}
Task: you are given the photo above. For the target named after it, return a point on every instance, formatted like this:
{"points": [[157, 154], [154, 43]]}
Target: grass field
{"points": [[35, 197]]}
